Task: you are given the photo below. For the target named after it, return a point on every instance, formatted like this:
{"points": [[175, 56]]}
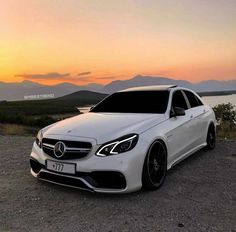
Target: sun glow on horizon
{"points": [[104, 40]]}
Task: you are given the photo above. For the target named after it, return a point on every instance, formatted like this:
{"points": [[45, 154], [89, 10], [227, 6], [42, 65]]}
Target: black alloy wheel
{"points": [[211, 137], [155, 166]]}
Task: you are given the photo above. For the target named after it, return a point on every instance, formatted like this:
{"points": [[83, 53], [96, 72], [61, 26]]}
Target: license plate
{"points": [[60, 167]]}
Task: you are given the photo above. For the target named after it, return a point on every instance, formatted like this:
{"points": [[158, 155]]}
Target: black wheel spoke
{"points": [[155, 178], [151, 170], [160, 155], [159, 149]]}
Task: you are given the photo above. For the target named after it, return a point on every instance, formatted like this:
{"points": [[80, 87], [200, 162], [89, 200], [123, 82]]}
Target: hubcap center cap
{"points": [[156, 165]]}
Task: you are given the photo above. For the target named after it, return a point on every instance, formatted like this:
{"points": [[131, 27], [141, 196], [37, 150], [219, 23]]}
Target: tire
{"points": [[155, 166], [211, 137]]}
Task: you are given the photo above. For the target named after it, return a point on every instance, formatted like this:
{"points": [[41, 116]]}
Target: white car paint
{"points": [[182, 135], [108, 126]]}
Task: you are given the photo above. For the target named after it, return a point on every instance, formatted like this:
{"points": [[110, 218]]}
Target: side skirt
{"points": [[185, 155]]}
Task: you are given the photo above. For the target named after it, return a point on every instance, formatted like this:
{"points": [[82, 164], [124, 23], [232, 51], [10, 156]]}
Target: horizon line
{"points": [[97, 83]]}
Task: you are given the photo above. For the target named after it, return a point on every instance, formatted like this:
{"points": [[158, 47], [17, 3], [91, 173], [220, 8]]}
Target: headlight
{"points": [[121, 145], [39, 138]]}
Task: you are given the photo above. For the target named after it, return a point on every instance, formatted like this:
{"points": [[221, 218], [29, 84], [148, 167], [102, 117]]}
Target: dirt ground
{"points": [[199, 195]]}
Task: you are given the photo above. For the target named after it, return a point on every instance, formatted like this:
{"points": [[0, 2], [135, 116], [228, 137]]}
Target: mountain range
{"points": [[19, 90]]}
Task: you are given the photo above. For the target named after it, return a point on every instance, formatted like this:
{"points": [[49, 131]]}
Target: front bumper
{"points": [[113, 174]]}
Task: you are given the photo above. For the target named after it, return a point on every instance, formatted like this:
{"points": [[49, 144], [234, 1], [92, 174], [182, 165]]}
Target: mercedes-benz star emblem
{"points": [[59, 149]]}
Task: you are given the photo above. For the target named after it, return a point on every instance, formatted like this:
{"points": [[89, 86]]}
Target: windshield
{"points": [[134, 102]]}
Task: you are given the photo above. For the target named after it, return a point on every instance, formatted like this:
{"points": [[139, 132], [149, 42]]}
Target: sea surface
{"points": [[215, 100]]}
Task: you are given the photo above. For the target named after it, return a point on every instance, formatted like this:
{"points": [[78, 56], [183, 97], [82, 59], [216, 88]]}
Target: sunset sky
{"points": [[82, 41]]}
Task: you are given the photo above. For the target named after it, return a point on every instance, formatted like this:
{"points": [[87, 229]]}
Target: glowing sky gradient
{"points": [[99, 41]]}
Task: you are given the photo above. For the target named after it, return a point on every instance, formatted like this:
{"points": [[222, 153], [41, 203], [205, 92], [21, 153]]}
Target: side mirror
{"points": [[177, 111]]}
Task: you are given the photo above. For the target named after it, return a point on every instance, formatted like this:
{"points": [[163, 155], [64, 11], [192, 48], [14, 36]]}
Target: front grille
{"points": [[73, 149]]}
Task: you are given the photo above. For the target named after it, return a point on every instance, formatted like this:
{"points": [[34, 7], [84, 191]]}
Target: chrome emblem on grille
{"points": [[59, 149]]}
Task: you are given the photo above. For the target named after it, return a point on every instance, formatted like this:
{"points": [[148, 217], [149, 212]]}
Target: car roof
{"points": [[149, 88]]}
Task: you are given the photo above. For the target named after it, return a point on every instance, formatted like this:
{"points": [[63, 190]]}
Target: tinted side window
{"points": [[192, 98], [199, 101], [178, 100]]}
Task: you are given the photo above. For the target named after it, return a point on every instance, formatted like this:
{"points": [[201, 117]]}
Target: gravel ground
{"points": [[199, 195]]}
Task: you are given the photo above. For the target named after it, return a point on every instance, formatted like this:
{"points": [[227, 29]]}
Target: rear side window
{"points": [[178, 100], [193, 99]]}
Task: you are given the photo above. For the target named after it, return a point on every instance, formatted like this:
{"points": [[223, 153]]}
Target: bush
{"points": [[226, 120], [225, 113], [44, 121], [32, 121], [226, 130]]}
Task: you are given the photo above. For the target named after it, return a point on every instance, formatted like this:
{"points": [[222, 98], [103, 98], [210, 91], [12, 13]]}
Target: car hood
{"points": [[104, 127]]}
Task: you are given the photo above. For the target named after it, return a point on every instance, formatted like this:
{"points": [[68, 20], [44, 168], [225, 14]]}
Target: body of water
{"points": [[84, 109], [215, 100]]}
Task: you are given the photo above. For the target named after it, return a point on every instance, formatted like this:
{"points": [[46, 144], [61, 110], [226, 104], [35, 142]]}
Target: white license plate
{"points": [[60, 167]]}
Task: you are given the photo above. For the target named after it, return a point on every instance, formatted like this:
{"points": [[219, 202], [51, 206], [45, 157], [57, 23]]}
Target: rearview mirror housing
{"points": [[177, 111]]}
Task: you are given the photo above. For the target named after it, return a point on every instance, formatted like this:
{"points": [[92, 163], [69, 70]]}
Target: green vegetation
{"points": [[22, 119], [16, 129], [225, 113], [226, 120], [39, 113], [25, 117], [62, 105]]}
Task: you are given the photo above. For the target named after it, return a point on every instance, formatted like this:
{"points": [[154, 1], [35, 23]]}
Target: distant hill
{"points": [[213, 85], [62, 105], [83, 95], [17, 91], [205, 86]]}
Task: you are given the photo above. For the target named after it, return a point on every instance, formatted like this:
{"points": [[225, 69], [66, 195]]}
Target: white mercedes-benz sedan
{"points": [[127, 141]]}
